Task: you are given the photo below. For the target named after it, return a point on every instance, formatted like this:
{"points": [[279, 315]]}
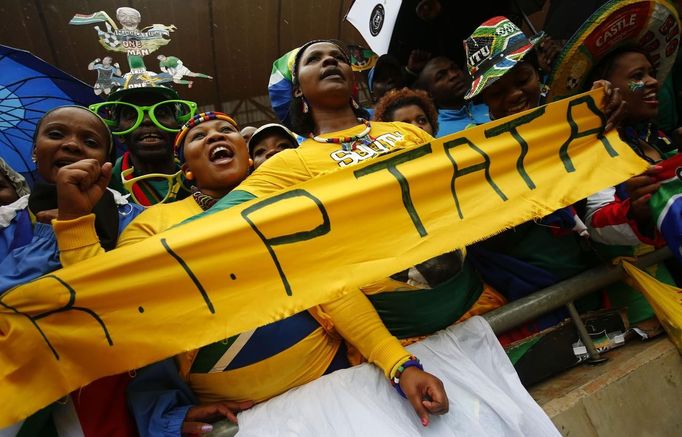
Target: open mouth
{"points": [[332, 72], [650, 98], [150, 137], [220, 154]]}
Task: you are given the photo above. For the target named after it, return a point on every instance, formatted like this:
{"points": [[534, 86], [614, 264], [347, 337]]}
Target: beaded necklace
{"points": [[203, 200], [349, 143]]}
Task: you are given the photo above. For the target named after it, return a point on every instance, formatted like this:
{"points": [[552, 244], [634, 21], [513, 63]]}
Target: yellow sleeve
{"points": [[77, 239], [358, 322], [281, 171], [142, 227], [157, 219]]}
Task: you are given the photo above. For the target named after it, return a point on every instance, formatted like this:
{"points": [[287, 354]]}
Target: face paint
{"points": [[636, 86]]}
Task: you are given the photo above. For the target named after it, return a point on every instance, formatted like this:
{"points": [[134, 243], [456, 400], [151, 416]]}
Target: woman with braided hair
{"points": [[181, 395]]}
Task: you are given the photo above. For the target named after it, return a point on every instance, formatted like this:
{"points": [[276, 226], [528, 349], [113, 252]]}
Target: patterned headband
{"points": [[179, 144]]}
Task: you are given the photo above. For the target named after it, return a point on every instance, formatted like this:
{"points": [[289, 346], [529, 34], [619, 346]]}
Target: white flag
{"points": [[375, 20]]}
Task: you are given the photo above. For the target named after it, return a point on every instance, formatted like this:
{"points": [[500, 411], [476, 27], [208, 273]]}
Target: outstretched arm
{"points": [[357, 321]]}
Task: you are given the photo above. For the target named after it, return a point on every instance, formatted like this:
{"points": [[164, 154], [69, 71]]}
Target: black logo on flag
{"points": [[376, 20]]}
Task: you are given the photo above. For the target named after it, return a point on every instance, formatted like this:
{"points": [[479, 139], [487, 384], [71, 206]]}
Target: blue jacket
{"points": [[40, 255], [159, 399], [451, 121], [16, 229]]}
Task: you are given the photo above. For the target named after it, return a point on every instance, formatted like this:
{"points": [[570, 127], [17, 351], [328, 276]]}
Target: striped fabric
{"points": [[279, 87], [254, 346], [666, 204]]}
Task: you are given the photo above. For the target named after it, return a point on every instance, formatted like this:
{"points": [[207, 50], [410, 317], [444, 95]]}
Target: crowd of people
{"points": [[179, 164]]}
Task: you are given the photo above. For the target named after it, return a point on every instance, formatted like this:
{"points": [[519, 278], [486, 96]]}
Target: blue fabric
{"points": [[159, 399], [451, 121], [29, 87], [280, 99], [563, 218], [340, 360], [33, 260], [18, 233], [671, 228], [269, 340], [41, 254], [518, 278]]}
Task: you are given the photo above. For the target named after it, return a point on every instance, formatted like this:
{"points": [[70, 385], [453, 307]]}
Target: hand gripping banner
{"points": [[269, 258]]}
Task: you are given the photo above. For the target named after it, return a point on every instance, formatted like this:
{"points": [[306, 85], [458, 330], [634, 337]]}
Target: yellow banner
{"points": [[666, 300], [248, 266]]}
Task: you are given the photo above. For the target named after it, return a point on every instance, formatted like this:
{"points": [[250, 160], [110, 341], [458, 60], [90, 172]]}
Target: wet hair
{"points": [[396, 99], [110, 141], [303, 123], [605, 67]]}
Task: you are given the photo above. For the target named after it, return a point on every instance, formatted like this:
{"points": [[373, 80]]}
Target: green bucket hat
{"points": [[494, 48]]}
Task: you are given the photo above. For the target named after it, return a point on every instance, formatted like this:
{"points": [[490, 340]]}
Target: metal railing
{"points": [[565, 293]]}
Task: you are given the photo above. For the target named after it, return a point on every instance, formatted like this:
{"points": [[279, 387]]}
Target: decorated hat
{"points": [[652, 25], [271, 128], [494, 48], [136, 43], [165, 92]]}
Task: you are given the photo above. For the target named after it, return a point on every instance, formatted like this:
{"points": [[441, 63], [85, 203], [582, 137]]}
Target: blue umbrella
{"points": [[29, 87]]}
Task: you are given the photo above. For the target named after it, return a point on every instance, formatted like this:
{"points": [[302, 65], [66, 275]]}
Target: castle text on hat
{"points": [[615, 28]]}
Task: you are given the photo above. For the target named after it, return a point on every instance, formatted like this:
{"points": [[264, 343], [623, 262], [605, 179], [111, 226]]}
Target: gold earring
{"points": [[189, 176], [250, 162]]}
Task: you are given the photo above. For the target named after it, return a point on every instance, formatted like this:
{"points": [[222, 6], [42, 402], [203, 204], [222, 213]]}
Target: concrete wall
{"points": [[637, 392]]}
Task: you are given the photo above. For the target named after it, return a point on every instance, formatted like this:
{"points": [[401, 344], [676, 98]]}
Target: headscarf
{"points": [[17, 180]]}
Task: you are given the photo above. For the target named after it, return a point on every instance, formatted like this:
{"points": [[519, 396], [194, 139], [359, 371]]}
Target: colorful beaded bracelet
{"points": [[395, 381]]}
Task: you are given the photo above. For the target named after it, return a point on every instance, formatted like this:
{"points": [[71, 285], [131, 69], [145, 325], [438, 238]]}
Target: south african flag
{"points": [[97, 17], [280, 85], [666, 204]]}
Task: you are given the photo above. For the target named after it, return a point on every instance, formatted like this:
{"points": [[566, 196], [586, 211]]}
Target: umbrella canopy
{"points": [[29, 87]]}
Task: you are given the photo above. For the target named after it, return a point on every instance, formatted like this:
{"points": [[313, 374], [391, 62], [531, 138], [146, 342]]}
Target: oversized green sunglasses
{"points": [[123, 117], [148, 190]]}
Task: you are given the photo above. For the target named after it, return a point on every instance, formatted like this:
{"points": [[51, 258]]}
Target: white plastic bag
{"points": [[486, 396]]}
